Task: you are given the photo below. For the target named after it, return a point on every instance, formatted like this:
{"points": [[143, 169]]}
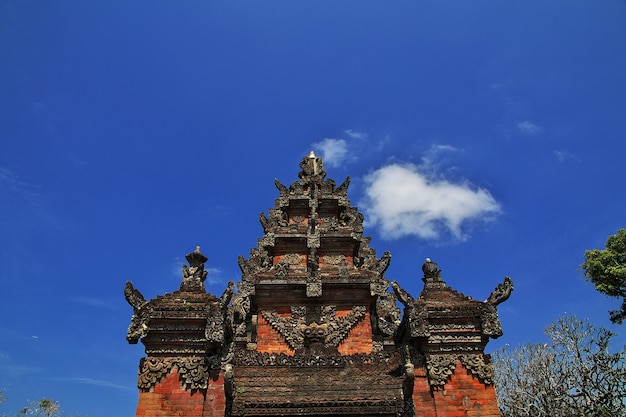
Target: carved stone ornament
{"points": [[501, 293], [141, 313], [387, 314], [380, 265], [490, 322], [343, 269], [152, 370], [292, 258], [313, 288], [440, 368], [479, 365], [268, 240], [313, 240], [292, 329], [194, 275], [281, 269], [334, 259], [255, 358], [193, 371]]}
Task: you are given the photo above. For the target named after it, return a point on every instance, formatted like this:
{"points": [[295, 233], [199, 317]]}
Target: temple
{"points": [[314, 328]]}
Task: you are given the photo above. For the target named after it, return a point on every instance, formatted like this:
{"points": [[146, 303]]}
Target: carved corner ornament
{"points": [[193, 372], [141, 313], [501, 293], [440, 367], [479, 365]]}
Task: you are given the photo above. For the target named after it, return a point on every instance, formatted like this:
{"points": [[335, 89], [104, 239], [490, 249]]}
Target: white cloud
{"points": [[356, 135], [563, 156], [528, 128], [334, 151], [98, 382], [433, 155], [402, 201]]}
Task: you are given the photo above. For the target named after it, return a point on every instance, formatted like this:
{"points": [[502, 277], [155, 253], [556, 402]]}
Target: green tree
{"points": [[606, 269], [574, 375]]}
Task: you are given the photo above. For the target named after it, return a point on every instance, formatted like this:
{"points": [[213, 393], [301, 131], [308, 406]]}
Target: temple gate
{"points": [[314, 328]]}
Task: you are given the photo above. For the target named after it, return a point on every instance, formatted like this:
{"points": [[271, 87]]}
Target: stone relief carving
{"points": [[193, 371], [479, 365], [283, 191], [281, 269], [218, 324], [141, 313], [240, 308], [254, 358], [194, 275], [152, 370], [334, 259], [490, 322], [501, 293], [268, 240], [343, 269], [439, 368], [333, 329], [339, 327], [342, 190], [380, 265], [407, 390], [292, 258], [313, 240], [298, 219], [387, 314]]}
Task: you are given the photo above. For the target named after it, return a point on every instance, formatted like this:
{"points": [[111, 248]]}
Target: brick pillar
{"points": [[168, 398], [464, 395], [423, 400]]}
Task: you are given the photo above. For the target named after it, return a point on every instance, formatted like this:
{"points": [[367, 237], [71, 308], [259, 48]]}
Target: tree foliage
{"points": [[606, 269], [45, 407], [574, 375]]}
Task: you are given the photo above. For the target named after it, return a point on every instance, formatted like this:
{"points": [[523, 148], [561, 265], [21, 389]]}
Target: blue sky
{"points": [[487, 135]]}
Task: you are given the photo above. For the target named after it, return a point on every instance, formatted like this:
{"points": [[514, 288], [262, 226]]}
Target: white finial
{"points": [[197, 249], [312, 154], [427, 259]]}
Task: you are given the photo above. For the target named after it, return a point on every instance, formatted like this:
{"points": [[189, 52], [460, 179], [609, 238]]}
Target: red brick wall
{"points": [[422, 397], [168, 398], [465, 396], [359, 339], [268, 339]]}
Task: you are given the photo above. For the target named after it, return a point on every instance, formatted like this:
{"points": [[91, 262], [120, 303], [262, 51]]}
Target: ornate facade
{"points": [[314, 327]]}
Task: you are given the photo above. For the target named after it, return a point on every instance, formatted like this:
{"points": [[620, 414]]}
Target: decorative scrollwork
{"points": [[255, 358], [313, 240], [292, 258], [334, 259], [440, 368], [490, 322], [194, 372], [152, 370], [335, 329], [479, 365], [339, 327]]}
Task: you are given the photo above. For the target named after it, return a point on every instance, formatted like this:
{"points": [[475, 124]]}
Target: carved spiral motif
{"points": [[152, 370]]}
